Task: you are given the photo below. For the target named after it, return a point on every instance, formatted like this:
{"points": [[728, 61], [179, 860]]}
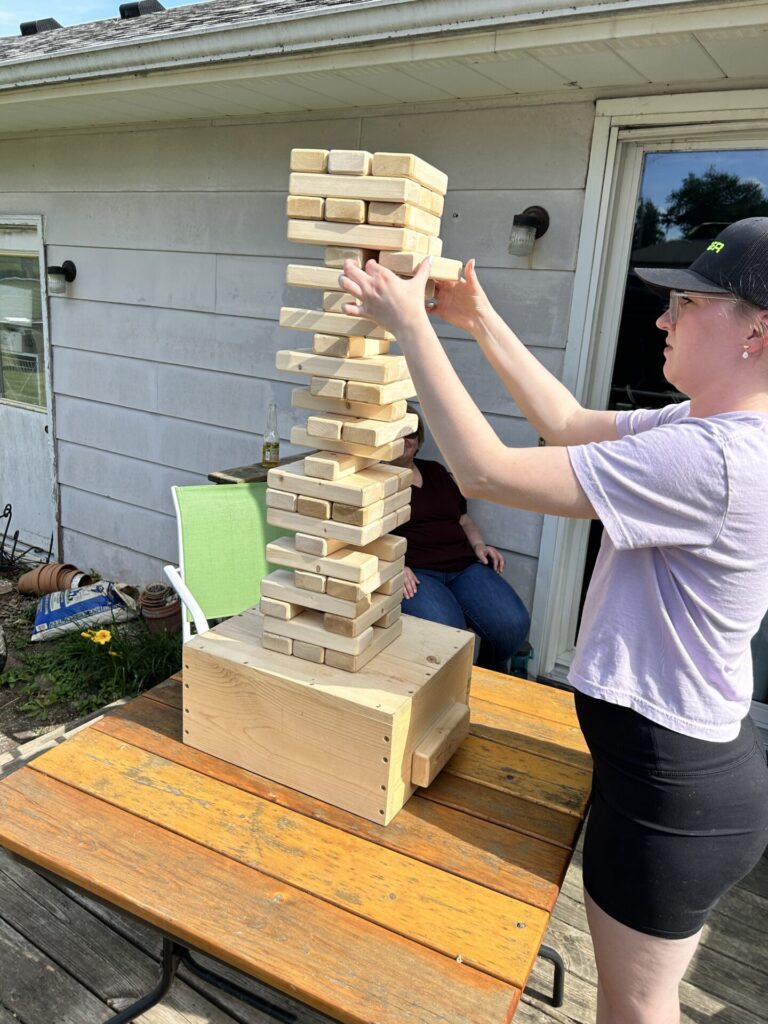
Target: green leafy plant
{"points": [[94, 667]]}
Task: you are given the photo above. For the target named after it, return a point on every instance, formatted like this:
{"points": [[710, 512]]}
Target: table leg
{"points": [[172, 954]]}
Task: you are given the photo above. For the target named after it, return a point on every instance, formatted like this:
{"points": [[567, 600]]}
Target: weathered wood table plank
{"points": [[436, 918]]}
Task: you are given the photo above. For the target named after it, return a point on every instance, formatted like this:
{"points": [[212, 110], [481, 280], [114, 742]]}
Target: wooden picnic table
{"points": [[437, 917]]}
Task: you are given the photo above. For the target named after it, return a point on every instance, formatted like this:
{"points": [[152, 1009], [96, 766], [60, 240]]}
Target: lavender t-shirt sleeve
{"points": [[666, 485]]}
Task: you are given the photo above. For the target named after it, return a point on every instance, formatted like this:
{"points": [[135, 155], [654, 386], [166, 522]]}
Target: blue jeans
{"points": [[475, 598]]}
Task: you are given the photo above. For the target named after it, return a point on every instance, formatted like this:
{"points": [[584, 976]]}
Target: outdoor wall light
{"points": [[526, 228], [59, 277]]}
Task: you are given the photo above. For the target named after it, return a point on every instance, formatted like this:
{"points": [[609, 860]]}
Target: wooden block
{"points": [[350, 161], [305, 207], [364, 236], [393, 585], [327, 387], [319, 322], [381, 394], [315, 507], [391, 616], [357, 515], [387, 549], [280, 499], [435, 203], [309, 652], [303, 398], [403, 215], [334, 465], [346, 564], [396, 501], [322, 546], [279, 584], [349, 591], [346, 211], [393, 478], [354, 489], [403, 515], [336, 256], [407, 165], [382, 452], [278, 609], [308, 628], [324, 426], [384, 190], [440, 744], [334, 302], [375, 369], [381, 604], [273, 642], [358, 536], [311, 581], [340, 740], [407, 263], [326, 278], [375, 432], [310, 161], [354, 662], [348, 347]]}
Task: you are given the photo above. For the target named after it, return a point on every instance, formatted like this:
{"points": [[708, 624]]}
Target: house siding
{"points": [[163, 350]]}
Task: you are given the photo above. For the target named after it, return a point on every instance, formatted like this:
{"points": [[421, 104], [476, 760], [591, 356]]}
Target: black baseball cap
{"points": [[736, 261]]}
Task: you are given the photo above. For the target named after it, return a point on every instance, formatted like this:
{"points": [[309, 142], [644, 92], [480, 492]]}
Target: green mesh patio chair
{"points": [[222, 532]]}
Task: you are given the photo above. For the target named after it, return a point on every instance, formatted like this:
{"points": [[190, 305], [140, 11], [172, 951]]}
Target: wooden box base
{"points": [[348, 739]]}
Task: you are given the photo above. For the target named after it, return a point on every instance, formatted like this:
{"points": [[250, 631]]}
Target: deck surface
{"points": [[66, 959]]}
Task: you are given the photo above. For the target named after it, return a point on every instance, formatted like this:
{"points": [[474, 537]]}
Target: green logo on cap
{"points": [[715, 246]]}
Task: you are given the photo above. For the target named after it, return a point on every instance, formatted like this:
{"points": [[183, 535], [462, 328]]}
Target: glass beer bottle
{"points": [[270, 448]]}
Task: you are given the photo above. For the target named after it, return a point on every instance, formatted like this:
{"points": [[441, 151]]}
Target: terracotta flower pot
{"points": [[163, 619], [66, 572], [47, 582], [28, 583]]}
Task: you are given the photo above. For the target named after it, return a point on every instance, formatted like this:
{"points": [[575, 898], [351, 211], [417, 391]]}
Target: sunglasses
{"points": [[675, 307]]}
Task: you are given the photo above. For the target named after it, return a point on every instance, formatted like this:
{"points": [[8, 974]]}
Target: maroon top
{"points": [[435, 537]]}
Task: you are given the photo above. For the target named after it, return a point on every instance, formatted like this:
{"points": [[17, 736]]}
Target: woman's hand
{"points": [[490, 556], [391, 301], [410, 582], [462, 302]]}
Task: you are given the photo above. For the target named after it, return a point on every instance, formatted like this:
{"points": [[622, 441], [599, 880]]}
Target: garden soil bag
{"points": [[84, 607]]}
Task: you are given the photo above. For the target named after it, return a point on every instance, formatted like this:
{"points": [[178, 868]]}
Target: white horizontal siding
{"points": [[164, 347]]}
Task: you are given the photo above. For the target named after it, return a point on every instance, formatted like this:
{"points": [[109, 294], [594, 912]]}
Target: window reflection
{"points": [[22, 360]]}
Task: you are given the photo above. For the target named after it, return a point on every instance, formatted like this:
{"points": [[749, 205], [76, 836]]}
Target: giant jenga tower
{"points": [[337, 601]]}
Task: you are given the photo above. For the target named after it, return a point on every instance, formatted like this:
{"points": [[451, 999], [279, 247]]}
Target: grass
{"points": [[91, 668]]}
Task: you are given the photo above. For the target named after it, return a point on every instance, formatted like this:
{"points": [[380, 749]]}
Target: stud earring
{"points": [[745, 353]]}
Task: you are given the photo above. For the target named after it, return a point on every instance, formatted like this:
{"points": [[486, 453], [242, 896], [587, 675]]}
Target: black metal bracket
{"points": [[558, 983], [13, 558], [175, 954]]}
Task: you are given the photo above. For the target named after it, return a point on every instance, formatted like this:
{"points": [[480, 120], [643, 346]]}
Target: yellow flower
{"points": [[113, 654], [87, 634], [101, 636]]}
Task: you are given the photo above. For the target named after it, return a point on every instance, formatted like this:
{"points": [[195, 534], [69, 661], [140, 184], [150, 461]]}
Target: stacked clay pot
{"points": [[47, 579], [160, 608]]}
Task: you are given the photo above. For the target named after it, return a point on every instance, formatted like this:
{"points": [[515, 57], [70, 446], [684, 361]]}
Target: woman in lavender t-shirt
{"points": [[662, 670]]}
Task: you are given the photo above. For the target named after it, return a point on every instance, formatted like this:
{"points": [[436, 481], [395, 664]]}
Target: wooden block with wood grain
{"points": [[349, 742]]}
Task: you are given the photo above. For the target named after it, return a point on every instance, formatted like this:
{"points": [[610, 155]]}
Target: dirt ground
{"points": [[16, 617]]}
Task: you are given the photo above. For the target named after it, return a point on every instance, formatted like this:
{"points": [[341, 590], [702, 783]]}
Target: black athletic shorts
{"points": [[674, 821]]}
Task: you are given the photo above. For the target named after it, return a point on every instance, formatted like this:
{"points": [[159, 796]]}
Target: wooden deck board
{"points": [[708, 994]]}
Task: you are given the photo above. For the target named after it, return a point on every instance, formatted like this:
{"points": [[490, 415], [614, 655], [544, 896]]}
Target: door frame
{"points": [[624, 130], [35, 222]]}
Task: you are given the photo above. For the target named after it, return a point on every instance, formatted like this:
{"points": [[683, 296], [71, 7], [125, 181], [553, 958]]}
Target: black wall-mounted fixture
{"points": [[60, 277], [33, 28], [139, 7], [527, 226]]}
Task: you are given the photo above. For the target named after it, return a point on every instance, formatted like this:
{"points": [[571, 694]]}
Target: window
{"points": [[22, 350]]}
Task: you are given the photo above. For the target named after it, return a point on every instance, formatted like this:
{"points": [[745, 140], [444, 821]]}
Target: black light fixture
{"points": [[60, 277], [527, 226]]}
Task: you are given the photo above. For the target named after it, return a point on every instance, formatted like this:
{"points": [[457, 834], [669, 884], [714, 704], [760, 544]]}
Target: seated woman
{"points": [[451, 575]]}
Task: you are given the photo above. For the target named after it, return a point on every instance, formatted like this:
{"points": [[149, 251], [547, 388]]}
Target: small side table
{"points": [[253, 474]]}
